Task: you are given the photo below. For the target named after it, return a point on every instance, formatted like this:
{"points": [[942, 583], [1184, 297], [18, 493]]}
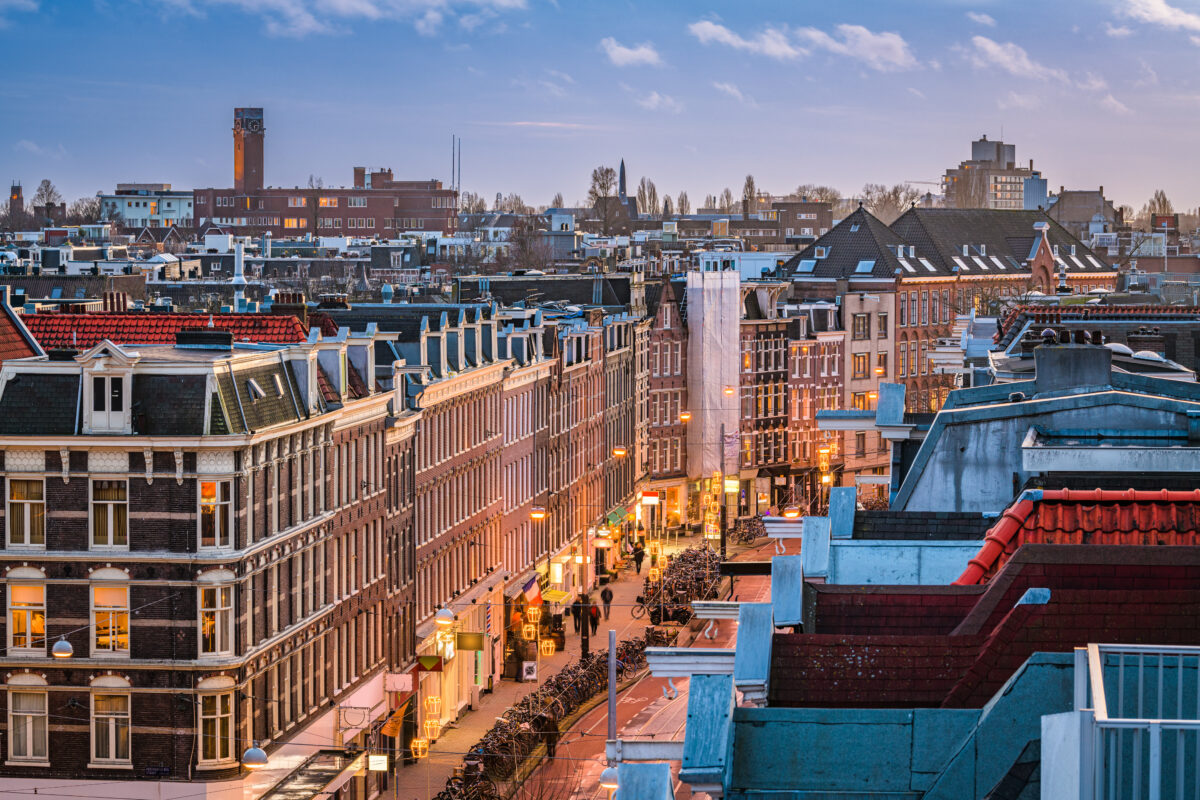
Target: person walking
{"points": [[594, 617], [546, 725], [606, 597], [577, 612], [639, 553]]}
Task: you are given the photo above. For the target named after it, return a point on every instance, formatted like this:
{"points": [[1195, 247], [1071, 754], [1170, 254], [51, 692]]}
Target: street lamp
{"points": [[537, 512], [685, 416], [62, 648], [608, 780], [729, 391], [619, 452], [444, 618], [254, 757], [791, 512]]}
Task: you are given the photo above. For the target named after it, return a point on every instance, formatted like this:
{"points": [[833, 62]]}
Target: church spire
{"points": [[621, 182]]}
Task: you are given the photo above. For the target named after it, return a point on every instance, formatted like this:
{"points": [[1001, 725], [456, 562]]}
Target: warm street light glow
{"points": [[620, 452], [534, 613], [538, 512], [433, 704], [529, 632], [62, 648], [654, 574], [444, 618], [826, 479], [254, 757], [685, 416], [608, 778], [729, 391], [419, 747], [823, 450], [872, 395], [791, 512], [547, 646]]}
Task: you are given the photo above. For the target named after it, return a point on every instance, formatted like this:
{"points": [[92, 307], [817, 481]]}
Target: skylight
{"points": [[865, 266], [807, 265]]}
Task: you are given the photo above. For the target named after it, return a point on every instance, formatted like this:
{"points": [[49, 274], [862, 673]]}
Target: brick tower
{"points": [[248, 150]]}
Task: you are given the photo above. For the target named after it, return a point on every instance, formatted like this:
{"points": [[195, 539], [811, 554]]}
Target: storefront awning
{"points": [[554, 595], [324, 773], [615, 517]]}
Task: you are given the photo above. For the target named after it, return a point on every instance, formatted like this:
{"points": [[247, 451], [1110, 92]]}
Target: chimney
{"points": [[1102, 191], [360, 177], [1071, 367]]}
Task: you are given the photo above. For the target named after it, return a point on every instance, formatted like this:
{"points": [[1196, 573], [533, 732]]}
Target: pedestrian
{"points": [[639, 553], [548, 728], [577, 612], [606, 596], [594, 617]]}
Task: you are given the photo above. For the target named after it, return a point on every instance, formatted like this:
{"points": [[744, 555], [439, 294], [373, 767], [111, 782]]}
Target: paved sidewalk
{"points": [[427, 777]]}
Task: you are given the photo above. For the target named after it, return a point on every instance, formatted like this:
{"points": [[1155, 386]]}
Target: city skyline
{"points": [[542, 93]]}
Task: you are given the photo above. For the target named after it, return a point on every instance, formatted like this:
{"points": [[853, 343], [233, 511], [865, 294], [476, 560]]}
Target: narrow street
{"points": [[643, 710]]}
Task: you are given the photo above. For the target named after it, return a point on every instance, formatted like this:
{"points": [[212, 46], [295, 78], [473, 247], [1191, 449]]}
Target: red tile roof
{"points": [[80, 331], [1094, 516], [13, 341]]}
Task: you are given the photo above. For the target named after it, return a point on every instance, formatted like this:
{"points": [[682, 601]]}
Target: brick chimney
{"points": [[1145, 338], [291, 304]]}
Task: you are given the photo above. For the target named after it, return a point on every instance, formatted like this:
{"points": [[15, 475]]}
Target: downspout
{"points": [[287, 375], [237, 396]]}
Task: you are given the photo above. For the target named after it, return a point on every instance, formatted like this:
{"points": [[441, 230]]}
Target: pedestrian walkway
{"points": [[427, 777]]}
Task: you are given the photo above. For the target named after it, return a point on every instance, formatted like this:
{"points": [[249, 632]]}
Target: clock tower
{"points": [[247, 150]]}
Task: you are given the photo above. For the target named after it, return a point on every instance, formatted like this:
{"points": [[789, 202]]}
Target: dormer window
{"points": [[821, 252], [108, 403], [254, 390], [983, 249], [966, 249]]}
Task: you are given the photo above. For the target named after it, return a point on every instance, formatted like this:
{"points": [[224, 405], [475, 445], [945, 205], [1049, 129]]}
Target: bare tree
{"points": [[1158, 205], [814, 193], [683, 204], [888, 203], [512, 204], [46, 194], [667, 211], [84, 211], [471, 203], [710, 201], [647, 197], [528, 247], [726, 201], [313, 198], [600, 196], [749, 192], [971, 189], [557, 200]]}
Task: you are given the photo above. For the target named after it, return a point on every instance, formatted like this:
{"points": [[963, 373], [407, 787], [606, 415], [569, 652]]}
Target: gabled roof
{"points": [[1008, 238], [1097, 516], [80, 331], [856, 240], [16, 341]]}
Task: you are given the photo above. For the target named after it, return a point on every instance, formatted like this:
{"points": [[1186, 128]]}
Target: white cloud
{"points": [[642, 54], [979, 18], [560, 76], [1117, 32], [733, 91], [659, 102], [1091, 82], [1163, 14], [915, 92], [1016, 100], [1112, 104], [770, 42], [300, 18], [34, 149], [885, 52], [1011, 58]]}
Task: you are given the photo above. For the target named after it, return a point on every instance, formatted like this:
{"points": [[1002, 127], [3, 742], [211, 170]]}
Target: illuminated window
{"points": [[328, 202], [216, 520], [216, 727], [27, 618], [110, 619], [216, 620]]}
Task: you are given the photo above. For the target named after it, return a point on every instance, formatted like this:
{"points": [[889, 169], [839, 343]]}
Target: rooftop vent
{"points": [[62, 354], [204, 338]]}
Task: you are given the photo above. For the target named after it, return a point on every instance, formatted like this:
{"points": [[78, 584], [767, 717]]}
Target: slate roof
{"points": [[1009, 236], [1096, 516], [81, 331], [920, 525], [574, 289], [246, 414], [168, 405], [39, 403], [857, 238]]}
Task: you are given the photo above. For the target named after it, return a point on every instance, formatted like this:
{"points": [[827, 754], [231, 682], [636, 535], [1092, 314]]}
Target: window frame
{"points": [[230, 738], [228, 611], [92, 480], [229, 514], [93, 649], [94, 760], [10, 514], [855, 360], [31, 650], [30, 760]]}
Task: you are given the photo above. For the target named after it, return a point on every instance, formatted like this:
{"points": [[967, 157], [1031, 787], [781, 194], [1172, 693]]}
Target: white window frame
{"points": [[24, 509], [222, 613], [109, 652], [222, 509], [29, 610], [112, 504], [203, 718], [93, 415], [113, 726], [30, 724]]}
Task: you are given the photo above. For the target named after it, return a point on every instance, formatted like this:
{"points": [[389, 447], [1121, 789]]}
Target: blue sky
{"points": [[694, 95]]}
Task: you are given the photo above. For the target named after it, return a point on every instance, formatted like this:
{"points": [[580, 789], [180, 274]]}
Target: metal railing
{"points": [[1145, 701]]}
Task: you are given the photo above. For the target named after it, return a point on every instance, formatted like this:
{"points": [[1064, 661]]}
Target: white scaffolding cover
{"points": [[714, 308]]}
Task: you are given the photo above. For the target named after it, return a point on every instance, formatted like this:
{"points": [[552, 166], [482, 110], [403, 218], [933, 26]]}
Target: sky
{"points": [[693, 94]]}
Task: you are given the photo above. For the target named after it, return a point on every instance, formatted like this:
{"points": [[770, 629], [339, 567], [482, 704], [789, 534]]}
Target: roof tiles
{"points": [[80, 331]]}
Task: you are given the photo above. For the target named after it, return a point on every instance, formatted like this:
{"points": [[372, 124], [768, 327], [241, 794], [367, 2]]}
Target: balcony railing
{"points": [[1145, 708]]}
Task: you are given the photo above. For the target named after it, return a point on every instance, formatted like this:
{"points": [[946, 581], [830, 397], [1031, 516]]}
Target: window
{"points": [[108, 403], [881, 365], [298, 202], [858, 401], [859, 365], [110, 619], [862, 326], [216, 520], [110, 514], [294, 222], [903, 361], [328, 202], [110, 728], [903, 310], [933, 307], [216, 727], [945, 305], [821, 252], [27, 617], [216, 620], [881, 324], [356, 202], [26, 512], [860, 444], [924, 358], [924, 308], [27, 726]]}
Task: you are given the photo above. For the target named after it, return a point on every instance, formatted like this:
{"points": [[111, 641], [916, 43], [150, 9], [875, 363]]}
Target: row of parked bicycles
{"points": [[534, 720], [692, 574]]}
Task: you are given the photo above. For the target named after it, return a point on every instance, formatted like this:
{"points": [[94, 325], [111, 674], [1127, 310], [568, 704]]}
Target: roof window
{"points": [[865, 266], [254, 390]]}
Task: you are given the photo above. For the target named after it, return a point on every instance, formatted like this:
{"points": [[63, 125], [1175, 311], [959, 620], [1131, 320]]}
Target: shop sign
{"points": [[469, 641], [429, 663], [529, 671], [650, 498], [731, 485], [377, 763], [398, 682]]}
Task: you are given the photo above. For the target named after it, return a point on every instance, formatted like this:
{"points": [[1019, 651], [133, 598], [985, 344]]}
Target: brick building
{"points": [[375, 205]]}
